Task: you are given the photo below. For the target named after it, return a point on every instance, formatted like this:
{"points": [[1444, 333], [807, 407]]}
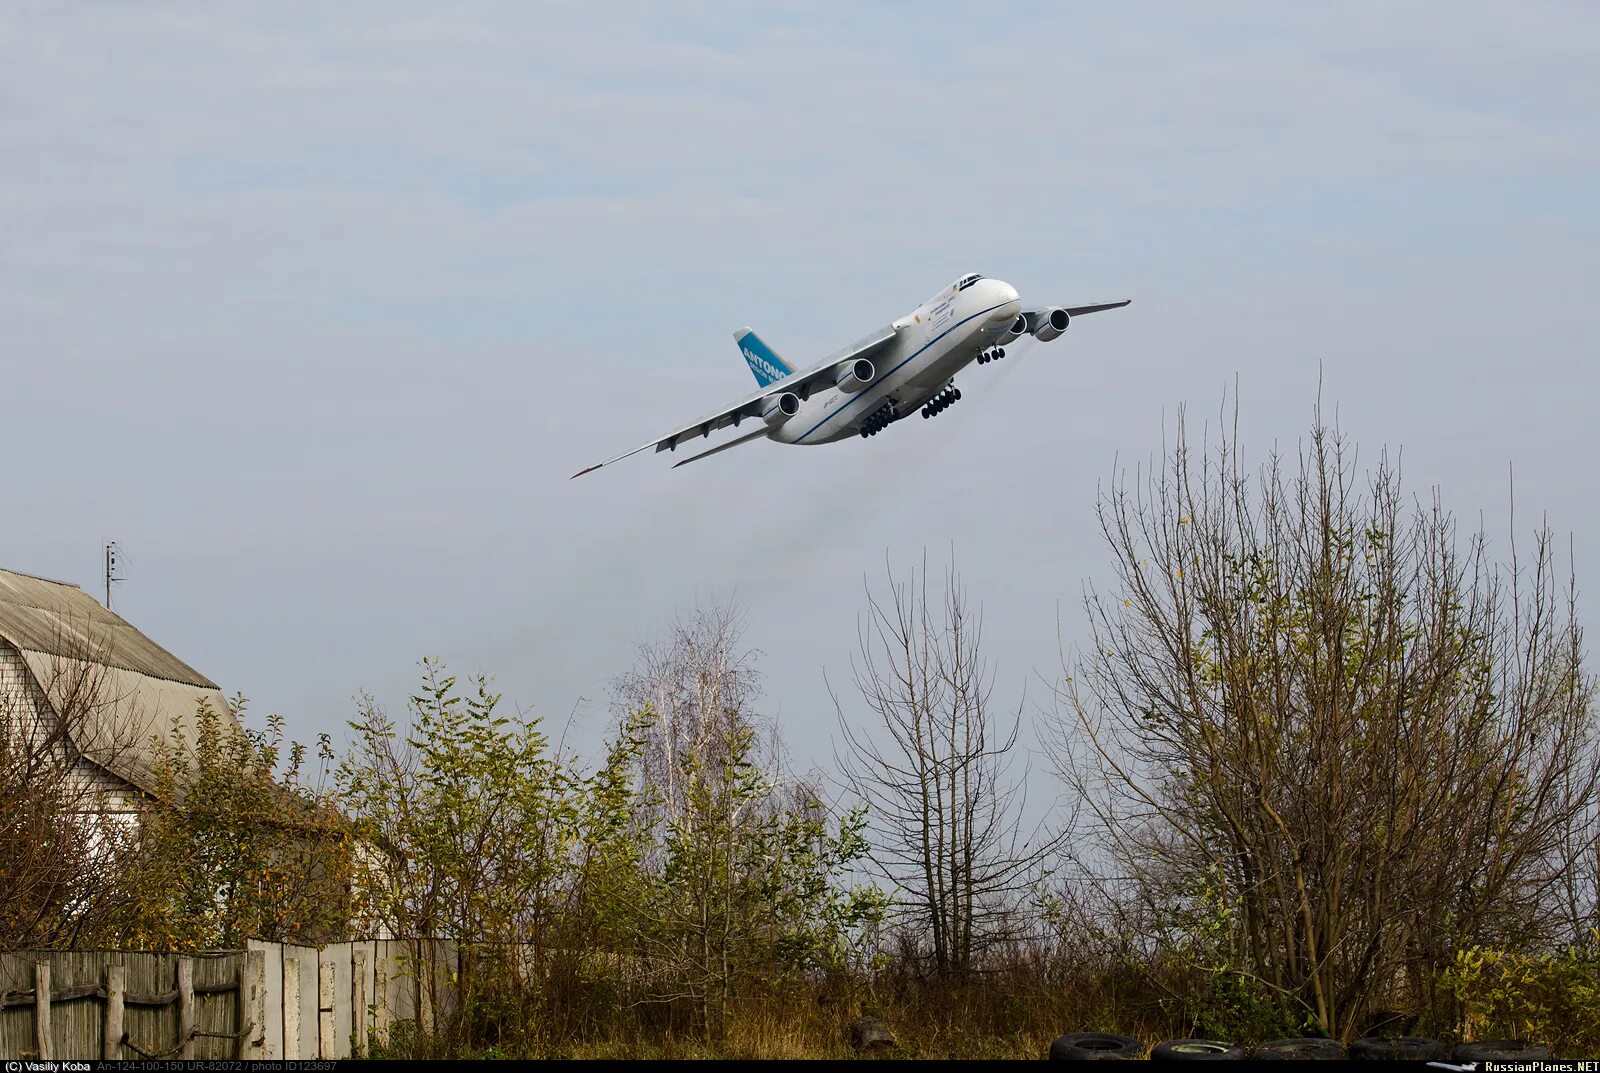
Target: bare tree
{"points": [[700, 684], [1328, 725], [61, 838], [945, 808]]}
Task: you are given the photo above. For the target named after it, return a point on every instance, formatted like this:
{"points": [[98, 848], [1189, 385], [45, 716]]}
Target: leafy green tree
{"points": [[745, 877], [749, 894], [468, 822], [233, 848]]}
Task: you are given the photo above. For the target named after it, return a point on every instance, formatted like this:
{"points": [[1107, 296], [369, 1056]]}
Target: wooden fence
{"points": [[269, 1001]]}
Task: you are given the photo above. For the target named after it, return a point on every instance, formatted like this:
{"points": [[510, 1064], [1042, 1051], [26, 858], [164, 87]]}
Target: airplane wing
{"points": [[758, 404], [1078, 311]]}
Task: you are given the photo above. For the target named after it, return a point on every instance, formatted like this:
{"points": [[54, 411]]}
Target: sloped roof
{"points": [[62, 632], [61, 619]]}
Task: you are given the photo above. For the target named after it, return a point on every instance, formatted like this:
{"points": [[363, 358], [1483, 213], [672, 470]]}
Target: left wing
{"points": [[1078, 311], [760, 403]]}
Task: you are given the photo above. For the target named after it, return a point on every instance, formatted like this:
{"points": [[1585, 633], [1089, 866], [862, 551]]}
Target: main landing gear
{"points": [[880, 418], [941, 401], [994, 353]]}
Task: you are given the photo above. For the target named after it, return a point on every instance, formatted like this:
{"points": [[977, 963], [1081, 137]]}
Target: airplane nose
{"points": [[1003, 296]]}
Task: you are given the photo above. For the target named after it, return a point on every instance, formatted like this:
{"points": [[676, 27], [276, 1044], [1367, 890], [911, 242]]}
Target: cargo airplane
{"points": [[869, 385]]}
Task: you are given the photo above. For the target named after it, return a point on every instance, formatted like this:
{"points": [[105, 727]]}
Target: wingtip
{"points": [[581, 472]]}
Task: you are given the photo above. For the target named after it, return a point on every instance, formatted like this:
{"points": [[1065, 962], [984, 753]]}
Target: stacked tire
{"points": [[1397, 1049], [1500, 1050], [1195, 1050], [1301, 1049], [1094, 1047]]}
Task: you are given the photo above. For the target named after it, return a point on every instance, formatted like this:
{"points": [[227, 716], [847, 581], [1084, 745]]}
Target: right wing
{"points": [[762, 402]]}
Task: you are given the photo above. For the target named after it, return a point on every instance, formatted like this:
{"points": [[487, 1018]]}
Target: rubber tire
{"points": [[1398, 1048], [1195, 1050], [1499, 1050], [1301, 1048], [1094, 1047]]}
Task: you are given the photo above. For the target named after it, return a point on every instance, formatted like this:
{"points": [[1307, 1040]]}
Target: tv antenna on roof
{"points": [[111, 569]]}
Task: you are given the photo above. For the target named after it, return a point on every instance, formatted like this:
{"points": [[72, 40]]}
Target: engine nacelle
{"points": [[788, 404], [852, 376], [1018, 329], [1049, 323]]}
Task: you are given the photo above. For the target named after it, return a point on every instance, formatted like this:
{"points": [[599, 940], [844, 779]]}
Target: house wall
{"points": [[20, 699], [27, 716]]}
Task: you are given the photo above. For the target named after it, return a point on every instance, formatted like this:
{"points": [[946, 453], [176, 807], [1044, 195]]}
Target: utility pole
{"points": [[111, 569]]}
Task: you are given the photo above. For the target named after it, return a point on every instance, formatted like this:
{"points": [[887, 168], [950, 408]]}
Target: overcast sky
{"points": [[315, 308]]}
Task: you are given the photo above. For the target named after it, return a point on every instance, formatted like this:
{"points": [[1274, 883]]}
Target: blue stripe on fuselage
{"points": [[859, 396]]}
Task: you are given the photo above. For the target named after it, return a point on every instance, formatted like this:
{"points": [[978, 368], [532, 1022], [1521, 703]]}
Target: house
{"points": [[81, 685]]}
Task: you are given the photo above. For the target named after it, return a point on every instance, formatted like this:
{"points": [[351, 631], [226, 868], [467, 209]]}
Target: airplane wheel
{"points": [[957, 396], [1000, 352]]}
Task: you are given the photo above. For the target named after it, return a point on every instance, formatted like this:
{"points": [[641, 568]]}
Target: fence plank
{"points": [[387, 988], [338, 955], [43, 1042], [360, 987], [272, 1000], [111, 1034], [186, 1009], [306, 1016], [218, 1011], [150, 1029], [252, 1005], [327, 980], [16, 1022], [446, 954], [77, 1026], [401, 981], [291, 1009], [379, 1032]]}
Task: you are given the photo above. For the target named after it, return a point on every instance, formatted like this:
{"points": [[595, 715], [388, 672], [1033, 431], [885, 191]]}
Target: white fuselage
{"points": [[932, 343]]}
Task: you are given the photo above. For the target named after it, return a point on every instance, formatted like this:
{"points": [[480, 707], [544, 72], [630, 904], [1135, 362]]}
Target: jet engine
{"points": [[787, 405], [1049, 323], [852, 376], [1018, 329]]}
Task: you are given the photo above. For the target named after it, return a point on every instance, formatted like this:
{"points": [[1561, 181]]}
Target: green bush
{"points": [[1552, 999]]}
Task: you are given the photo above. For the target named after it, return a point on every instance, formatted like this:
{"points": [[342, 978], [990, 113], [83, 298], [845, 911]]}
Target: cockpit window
{"points": [[966, 281]]}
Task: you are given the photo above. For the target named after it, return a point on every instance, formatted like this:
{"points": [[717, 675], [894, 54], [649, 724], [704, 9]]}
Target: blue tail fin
{"points": [[762, 359]]}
